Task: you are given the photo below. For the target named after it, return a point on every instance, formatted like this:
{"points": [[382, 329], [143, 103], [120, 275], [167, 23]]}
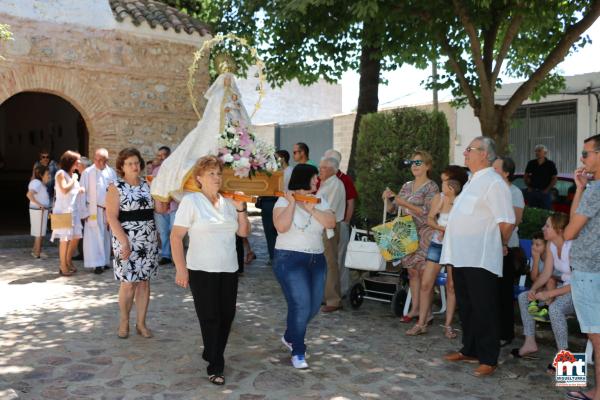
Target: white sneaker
{"points": [[299, 362], [286, 343]]}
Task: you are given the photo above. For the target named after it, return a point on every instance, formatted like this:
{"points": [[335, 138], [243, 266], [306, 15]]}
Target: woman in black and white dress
{"points": [[130, 214]]}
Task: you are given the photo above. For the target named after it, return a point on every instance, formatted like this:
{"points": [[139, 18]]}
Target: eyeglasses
{"points": [[471, 148], [44, 156], [297, 151], [585, 153]]}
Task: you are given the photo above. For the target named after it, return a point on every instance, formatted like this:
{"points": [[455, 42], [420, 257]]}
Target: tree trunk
{"points": [[497, 126], [368, 92]]}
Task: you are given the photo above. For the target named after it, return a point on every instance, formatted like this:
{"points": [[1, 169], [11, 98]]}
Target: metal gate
{"points": [[552, 124], [318, 135]]}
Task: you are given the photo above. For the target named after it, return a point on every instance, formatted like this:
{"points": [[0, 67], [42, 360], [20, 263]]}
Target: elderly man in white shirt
{"points": [[479, 227], [96, 235], [333, 190]]}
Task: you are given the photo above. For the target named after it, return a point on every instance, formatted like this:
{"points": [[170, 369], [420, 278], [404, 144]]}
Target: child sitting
{"points": [[539, 311]]}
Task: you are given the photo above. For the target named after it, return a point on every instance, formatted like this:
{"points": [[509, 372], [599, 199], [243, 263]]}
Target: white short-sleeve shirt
{"points": [[472, 237], [40, 193], [211, 231], [334, 191], [306, 233], [517, 202]]}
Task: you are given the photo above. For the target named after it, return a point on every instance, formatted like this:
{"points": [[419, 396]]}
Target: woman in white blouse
{"points": [[210, 267], [299, 263], [559, 300]]}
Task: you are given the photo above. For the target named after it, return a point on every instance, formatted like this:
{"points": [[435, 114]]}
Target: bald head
{"points": [[100, 158]]}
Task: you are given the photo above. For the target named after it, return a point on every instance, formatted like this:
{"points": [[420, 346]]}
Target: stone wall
{"points": [[130, 90], [265, 132]]}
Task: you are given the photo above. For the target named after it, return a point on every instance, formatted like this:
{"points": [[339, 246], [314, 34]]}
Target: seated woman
{"points": [[561, 304], [539, 311], [212, 223], [299, 263]]}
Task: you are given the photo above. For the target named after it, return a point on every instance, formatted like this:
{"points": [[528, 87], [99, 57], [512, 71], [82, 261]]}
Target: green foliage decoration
{"points": [[385, 140]]}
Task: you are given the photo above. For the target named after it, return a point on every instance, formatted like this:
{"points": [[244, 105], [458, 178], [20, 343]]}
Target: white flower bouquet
{"points": [[246, 155]]}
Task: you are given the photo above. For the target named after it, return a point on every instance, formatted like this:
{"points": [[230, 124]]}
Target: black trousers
{"points": [[239, 249], [215, 295], [477, 300], [266, 214], [506, 304]]}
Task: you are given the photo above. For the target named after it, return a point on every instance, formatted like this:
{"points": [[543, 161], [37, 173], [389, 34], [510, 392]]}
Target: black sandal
{"points": [[217, 379], [529, 356]]}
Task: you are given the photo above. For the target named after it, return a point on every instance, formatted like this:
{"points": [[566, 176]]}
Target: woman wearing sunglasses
{"points": [[415, 199]]}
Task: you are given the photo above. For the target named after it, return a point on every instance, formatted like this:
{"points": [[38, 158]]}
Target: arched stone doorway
{"points": [[30, 122]]}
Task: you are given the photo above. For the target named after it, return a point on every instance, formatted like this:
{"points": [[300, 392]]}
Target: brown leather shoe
{"points": [[484, 370], [458, 356], [330, 308]]}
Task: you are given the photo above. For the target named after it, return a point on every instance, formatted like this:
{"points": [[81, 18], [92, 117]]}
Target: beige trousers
{"points": [[333, 295]]}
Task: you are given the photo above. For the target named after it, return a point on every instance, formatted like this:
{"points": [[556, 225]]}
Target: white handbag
{"points": [[362, 254]]}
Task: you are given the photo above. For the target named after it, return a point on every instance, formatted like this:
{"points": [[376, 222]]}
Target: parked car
{"points": [[562, 192]]}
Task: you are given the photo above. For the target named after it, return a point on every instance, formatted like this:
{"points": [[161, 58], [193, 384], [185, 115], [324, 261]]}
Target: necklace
{"points": [[303, 228]]}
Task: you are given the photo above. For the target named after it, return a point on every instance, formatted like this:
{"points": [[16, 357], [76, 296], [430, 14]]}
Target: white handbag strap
{"points": [[385, 206]]}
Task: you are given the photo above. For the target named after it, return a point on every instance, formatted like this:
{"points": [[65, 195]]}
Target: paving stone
{"points": [[62, 344]]}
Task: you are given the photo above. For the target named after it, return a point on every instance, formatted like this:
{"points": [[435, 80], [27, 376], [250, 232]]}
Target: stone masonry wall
{"points": [[130, 90]]}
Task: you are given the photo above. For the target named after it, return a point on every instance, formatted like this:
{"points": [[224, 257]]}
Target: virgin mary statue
{"points": [[224, 108]]}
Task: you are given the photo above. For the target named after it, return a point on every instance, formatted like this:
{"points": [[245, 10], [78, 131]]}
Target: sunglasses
{"points": [[44, 156], [585, 153], [471, 148], [418, 163], [297, 151]]}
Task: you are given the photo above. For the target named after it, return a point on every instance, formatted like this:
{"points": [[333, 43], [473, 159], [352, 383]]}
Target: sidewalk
{"points": [[58, 341]]}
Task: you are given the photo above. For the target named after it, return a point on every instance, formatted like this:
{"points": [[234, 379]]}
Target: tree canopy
{"points": [[478, 41], [482, 39]]}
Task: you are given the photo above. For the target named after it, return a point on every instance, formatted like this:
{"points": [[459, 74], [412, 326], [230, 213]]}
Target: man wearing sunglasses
{"points": [[47, 161], [540, 177], [584, 230], [475, 241], [301, 154]]}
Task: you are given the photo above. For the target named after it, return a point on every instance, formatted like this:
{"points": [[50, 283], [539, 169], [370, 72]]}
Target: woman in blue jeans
{"points": [[299, 263]]}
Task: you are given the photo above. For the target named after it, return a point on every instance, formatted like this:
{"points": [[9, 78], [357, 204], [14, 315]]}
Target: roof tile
{"points": [[156, 13]]}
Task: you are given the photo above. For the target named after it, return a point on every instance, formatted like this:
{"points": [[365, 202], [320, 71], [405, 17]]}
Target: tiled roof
{"points": [[156, 14]]}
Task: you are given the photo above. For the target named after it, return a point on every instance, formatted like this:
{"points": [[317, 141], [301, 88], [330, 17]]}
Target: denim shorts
{"points": [[585, 290], [434, 252]]}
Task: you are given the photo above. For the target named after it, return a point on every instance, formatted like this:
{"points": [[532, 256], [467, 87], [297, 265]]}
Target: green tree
{"points": [[312, 39], [481, 39], [478, 40], [386, 139]]}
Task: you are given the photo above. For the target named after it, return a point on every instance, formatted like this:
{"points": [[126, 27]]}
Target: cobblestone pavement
{"points": [[58, 341]]}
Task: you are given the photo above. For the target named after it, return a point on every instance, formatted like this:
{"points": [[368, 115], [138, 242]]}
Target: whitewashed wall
{"points": [[89, 13], [292, 102], [468, 127]]}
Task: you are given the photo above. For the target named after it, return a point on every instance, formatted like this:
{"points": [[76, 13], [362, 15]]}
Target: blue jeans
{"points": [[164, 224], [302, 279]]}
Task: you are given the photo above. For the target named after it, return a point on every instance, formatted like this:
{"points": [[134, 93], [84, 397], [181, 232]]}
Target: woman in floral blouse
{"points": [[415, 199]]}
